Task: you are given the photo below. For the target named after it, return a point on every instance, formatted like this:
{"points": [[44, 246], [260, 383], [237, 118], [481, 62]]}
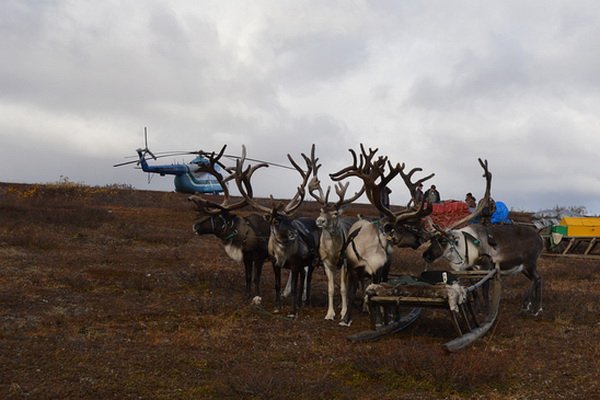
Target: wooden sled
{"points": [[461, 293]]}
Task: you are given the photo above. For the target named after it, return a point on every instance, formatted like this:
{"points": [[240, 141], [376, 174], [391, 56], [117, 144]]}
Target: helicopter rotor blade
{"points": [[164, 154], [126, 163], [145, 138], [232, 157]]}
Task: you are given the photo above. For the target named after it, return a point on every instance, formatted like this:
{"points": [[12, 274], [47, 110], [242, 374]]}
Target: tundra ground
{"points": [[107, 293]]}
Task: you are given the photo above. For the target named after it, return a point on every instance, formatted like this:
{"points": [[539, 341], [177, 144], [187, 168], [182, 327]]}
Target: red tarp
{"points": [[449, 211]]}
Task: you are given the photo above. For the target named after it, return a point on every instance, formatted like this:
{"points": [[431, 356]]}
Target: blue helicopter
{"points": [[189, 178]]}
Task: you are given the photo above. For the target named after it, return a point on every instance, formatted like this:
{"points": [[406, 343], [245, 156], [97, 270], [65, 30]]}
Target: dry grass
{"points": [[106, 293]]}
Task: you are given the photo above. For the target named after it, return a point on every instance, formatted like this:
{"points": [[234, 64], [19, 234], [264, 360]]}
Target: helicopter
{"points": [[188, 178]]}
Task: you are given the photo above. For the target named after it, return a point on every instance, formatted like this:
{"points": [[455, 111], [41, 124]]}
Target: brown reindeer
{"points": [[512, 248], [293, 242], [370, 244], [244, 238]]}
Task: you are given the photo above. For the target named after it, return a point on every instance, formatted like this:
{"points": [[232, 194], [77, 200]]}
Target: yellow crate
{"points": [[582, 226]]}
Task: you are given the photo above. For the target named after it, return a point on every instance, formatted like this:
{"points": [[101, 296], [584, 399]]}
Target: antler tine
{"points": [[368, 157], [483, 203], [315, 186], [208, 206], [375, 190], [243, 180], [421, 210], [348, 171], [311, 165], [369, 172], [340, 190]]}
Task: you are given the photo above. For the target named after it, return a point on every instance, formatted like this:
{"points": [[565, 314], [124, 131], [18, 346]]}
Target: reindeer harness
{"points": [[464, 258], [355, 233]]}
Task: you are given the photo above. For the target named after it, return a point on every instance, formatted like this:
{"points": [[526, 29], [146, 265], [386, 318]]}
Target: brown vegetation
{"points": [[107, 293]]}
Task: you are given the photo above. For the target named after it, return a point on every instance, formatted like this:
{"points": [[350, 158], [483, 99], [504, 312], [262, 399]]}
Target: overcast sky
{"points": [[434, 84]]}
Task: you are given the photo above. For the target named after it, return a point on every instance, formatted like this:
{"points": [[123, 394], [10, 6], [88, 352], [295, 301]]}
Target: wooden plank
{"points": [[409, 300], [590, 247], [571, 242]]}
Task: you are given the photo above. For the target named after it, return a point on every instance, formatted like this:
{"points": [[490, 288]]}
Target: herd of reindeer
{"points": [[360, 248]]}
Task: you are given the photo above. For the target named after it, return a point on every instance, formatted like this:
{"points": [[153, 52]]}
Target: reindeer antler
{"points": [[375, 181], [243, 180], [244, 185], [208, 206], [311, 165], [340, 189], [423, 208], [315, 186], [482, 203]]}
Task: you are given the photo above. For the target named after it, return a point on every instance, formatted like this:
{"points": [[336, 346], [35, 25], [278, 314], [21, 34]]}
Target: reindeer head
{"points": [[279, 215], [445, 244], [216, 218], [331, 213], [451, 243]]}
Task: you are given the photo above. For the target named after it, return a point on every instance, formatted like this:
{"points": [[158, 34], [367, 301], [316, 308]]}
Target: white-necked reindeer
{"points": [[334, 233], [293, 242], [370, 244], [511, 248]]}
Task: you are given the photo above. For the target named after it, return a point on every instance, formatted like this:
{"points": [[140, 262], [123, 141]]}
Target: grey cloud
{"points": [[520, 88], [319, 57]]}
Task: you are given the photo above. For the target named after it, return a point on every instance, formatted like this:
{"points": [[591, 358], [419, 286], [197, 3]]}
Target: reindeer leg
{"points": [[258, 265], [330, 291], [536, 293], [295, 295], [305, 282], [352, 286], [308, 281], [248, 275], [344, 289], [532, 275], [288, 287], [300, 291], [277, 273]]}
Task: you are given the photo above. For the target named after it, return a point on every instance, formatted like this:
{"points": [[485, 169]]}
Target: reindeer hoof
{"points": [[292, 316], [256, 300], [330, 317], [346, 324], [538, 312]]}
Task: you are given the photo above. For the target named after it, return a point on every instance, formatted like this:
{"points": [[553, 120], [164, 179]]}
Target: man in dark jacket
{"points": [[432, 195]]}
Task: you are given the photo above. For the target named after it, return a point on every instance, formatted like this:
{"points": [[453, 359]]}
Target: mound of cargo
{"points": [[445, 213]]}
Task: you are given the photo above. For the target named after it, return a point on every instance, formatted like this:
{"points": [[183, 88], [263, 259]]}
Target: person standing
{"points": [[432, 195], [471, 201], [418, 198], [385, 199]]}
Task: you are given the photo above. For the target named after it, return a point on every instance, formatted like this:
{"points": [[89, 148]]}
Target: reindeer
{"points": [[244, 238], [293, 242], [370, 245], [511, 248], [334, 232]]}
